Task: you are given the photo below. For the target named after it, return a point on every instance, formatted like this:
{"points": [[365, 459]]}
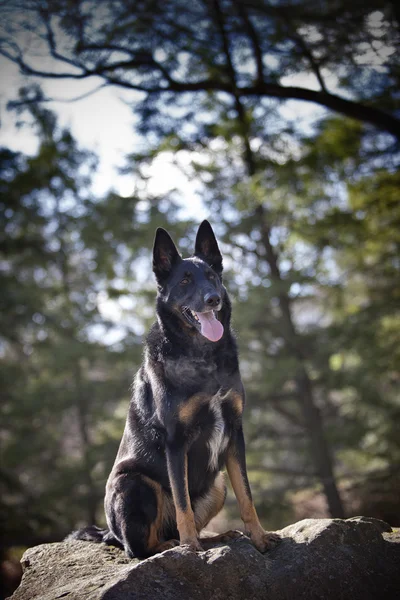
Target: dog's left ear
{"points": [[207, 248], [165, 255]]}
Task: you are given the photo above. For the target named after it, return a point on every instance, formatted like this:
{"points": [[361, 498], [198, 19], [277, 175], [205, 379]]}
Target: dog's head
{"points": [[191, 287]]}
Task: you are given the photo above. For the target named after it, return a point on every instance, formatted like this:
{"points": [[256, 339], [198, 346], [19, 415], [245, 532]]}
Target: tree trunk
{"points": [[318, 444], [320, 453]]}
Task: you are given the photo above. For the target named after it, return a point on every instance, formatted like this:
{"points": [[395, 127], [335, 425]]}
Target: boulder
{"points": [[321, 559]]}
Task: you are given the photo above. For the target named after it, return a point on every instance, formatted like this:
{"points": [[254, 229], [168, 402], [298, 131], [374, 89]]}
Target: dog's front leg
{"points": [[236, 467], [178, 477]]}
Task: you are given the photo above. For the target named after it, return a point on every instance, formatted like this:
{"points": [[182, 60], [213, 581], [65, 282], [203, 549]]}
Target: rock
{"points": [[318, 559]]}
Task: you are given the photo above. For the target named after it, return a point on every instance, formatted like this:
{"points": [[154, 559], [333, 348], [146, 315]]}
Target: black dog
{"points": [[185, 417]]}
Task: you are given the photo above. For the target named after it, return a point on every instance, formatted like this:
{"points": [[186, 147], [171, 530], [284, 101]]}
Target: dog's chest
{"points": [[198, 374], [218, 438], [206, 429], [201, 410]]}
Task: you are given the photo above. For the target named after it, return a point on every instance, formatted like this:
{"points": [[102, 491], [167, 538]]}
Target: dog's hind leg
{"points": [[206, 508], [136, 513]]}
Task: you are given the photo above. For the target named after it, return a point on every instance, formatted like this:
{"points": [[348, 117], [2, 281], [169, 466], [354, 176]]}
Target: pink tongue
{"points": [[211, 328]]}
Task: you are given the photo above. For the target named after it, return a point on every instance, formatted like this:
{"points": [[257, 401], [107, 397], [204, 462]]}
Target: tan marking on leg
{"points": [[209, 541], [169, 513], [167, 520], [185, 518], [188, 409], [260, 538], [237, 402], [187, 528], [156, 525], [246, 506], [165, 515], [207, 507], [166, 546], [235, 399]]}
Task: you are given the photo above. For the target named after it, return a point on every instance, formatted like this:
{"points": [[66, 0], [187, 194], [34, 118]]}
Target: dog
{"points": [[184, 421]]}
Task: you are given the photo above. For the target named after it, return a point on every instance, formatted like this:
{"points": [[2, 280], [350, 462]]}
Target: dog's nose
{"points": [[212, 299]]}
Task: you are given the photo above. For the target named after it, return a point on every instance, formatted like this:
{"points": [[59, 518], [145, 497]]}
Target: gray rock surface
{"points": [[321, 559]]}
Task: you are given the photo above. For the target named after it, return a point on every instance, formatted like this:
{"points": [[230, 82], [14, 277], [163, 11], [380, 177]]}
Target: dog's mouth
{"points": [[205, 322]]}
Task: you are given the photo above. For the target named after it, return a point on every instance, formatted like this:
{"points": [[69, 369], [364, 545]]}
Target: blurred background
{"points": [[278, 121]]}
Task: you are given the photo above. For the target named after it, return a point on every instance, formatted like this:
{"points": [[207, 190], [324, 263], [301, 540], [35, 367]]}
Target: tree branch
{"points": [[350, 108], [40, 98], [313, 63], [242, 117], [298, 39], [253, 38]]}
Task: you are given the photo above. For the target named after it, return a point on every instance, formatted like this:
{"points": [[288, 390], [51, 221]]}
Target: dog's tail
{"points": [[94, 534]]}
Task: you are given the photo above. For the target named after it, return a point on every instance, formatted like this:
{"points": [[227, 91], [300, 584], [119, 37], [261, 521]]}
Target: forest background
{"points": [[283, 117]]}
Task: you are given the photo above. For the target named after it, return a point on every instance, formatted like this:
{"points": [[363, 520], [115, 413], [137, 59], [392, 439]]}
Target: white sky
{"points": [[102, 123]]}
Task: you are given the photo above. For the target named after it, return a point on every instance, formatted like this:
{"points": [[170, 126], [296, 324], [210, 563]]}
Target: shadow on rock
{"points": [[321, 559]]}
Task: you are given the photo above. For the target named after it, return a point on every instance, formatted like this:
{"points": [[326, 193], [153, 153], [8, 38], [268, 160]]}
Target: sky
{"points": [[102, 123]]}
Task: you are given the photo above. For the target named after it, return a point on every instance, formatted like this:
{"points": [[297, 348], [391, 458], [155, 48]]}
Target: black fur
{"points": [[185, 410]]}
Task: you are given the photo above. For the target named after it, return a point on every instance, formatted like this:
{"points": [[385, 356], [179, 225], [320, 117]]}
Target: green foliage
{"points": [[332, 211], [61, 384], [308, 214], [348, 51]]}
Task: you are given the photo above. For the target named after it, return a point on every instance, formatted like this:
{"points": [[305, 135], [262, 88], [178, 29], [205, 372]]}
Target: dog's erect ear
{"points": [[165, 255], [207, 248]]}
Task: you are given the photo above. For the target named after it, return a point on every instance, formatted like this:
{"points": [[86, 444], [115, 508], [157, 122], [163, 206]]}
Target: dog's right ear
{"points": [[165, 255], [206, 247]]}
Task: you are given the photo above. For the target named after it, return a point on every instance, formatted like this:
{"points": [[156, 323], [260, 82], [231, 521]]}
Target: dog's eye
{"points": [[211, 276]]}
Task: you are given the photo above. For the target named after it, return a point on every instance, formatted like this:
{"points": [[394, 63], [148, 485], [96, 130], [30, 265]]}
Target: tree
{"points": [[209, 72], [168, 49], [61, 249], [326, 208]]}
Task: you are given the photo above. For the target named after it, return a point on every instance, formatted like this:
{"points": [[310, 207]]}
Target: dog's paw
{"points": [[266, 541], [167, 545], [220, 538], [192, 545], [233, 534]]}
